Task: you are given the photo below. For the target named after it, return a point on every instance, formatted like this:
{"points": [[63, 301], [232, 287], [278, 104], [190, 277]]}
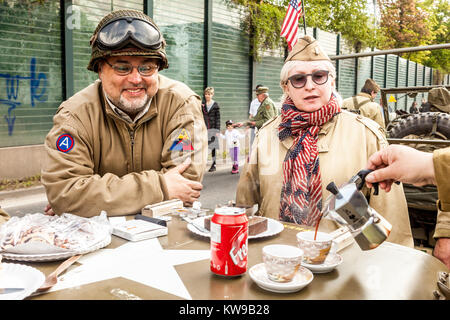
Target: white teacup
{"points": [[315, 251], [281, 261]]}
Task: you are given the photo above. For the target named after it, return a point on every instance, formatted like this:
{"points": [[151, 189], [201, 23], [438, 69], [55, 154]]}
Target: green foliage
{"points": [[351, 18], [263, 20], [439, 19], [261, 24], [407, 23]]}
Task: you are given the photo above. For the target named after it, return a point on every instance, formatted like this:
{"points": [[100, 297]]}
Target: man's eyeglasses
{"points": [[123, 69], [299, 80]]}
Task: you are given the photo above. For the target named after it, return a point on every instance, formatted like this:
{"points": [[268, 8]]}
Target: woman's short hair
{"points": [[291, 64], [209, 90]]}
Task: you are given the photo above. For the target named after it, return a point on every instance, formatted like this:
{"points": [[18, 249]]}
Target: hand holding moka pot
{"points": [[348, 206]]}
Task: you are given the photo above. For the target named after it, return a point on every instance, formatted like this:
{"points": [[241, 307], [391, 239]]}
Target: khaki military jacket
{"points": [[115, 165], [366, 107], [345, 143], [441, 160], [3, 216], [266, 111]]}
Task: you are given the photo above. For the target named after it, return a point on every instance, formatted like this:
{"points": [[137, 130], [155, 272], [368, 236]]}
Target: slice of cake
{"points": [[256, 224]]}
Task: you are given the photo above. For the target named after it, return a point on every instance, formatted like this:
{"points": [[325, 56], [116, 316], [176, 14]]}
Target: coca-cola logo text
{"points": [[240, 254]]}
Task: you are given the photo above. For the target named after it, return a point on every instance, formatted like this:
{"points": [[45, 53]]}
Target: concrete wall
{"points": [[20, 162]]}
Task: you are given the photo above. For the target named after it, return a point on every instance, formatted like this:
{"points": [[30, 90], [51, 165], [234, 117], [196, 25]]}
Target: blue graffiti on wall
{"points": [[37, 91]]}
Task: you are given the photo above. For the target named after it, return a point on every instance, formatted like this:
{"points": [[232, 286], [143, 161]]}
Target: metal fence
{"points": [[45, 50]]}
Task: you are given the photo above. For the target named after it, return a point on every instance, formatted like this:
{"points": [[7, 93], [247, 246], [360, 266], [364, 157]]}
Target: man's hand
{"points": [[181, 188], [48, 210], [442, 250], [400, 163]]}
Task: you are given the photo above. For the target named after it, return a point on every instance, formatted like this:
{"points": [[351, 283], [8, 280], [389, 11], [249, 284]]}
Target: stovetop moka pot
{"points": [[348, 206]]}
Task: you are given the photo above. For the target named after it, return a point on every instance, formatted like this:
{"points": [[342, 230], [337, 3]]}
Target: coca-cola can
{"points": [[229, 241]]}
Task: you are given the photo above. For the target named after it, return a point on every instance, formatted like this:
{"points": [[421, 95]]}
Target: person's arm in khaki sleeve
{"points": [[189, 118], [3, 216], [441, 163], [405, 164]]}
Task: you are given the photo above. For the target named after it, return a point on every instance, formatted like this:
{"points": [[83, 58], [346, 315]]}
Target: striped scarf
{"points": [[301, 194]]}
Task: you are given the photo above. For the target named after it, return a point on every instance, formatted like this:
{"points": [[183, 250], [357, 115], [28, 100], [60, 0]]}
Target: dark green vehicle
{"points": [[425, 131]]}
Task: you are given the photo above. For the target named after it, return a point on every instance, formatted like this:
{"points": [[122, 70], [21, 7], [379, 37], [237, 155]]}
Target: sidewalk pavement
{"points": [[22, 197]]}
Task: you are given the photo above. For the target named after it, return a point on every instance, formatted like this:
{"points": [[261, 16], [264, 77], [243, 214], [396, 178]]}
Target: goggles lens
{"points": [[299, 80], [117, 33]]}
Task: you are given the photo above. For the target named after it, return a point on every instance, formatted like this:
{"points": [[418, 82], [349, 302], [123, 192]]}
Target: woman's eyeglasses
{"points": [[299, 80], [123, 69]]}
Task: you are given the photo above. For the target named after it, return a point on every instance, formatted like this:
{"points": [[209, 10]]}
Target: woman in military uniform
{"points": [[312, 143]]}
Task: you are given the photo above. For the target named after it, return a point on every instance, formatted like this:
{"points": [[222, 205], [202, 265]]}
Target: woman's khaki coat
{"points": [[345, 143]]}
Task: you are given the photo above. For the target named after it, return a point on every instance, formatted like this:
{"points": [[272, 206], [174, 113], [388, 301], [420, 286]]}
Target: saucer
{"points": [[331, 262], [301, 279]]}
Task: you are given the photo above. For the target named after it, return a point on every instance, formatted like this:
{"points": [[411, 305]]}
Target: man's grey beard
{"points": [[132, 107]]}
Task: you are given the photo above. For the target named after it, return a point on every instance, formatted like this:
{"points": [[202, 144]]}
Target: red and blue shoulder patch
{"points": [[65, 143]]}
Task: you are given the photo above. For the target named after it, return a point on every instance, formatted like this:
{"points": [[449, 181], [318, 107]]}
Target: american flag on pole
{"points": [[289, 29]]}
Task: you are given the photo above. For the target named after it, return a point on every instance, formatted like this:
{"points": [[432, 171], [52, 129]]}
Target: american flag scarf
{"points": [[301, 193]]}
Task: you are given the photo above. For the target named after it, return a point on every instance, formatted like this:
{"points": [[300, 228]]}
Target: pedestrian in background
{"points": [[414, 108], [266, 110], [232, 137], [211, 114], [363, 103], [254, 106]]}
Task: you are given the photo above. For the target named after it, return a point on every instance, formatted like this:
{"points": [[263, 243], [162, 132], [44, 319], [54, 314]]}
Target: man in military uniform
{"points": [[266, 110], [132, 138], [364, 104], [408, 165]]}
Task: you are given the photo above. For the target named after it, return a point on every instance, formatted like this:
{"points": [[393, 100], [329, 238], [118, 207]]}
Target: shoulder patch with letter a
{"points": [[65, 143]]}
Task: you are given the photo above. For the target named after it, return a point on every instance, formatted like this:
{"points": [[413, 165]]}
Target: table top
{"points": [[388, 272]]}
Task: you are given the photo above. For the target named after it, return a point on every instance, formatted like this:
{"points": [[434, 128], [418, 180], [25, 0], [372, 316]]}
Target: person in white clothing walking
{"points": [[232, 137]]}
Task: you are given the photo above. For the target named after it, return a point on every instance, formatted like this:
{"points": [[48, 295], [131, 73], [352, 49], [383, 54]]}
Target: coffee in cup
{"points": [[315, 251]]}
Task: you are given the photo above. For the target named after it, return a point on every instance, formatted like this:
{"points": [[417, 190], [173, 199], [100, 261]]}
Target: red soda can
{"points": [[229, 241]]}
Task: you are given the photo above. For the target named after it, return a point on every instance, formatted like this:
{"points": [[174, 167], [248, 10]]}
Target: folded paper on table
{"points": [[136, 230]]}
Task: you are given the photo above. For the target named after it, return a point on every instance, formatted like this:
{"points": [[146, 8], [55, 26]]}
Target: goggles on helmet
{"points": [[120, 32]]}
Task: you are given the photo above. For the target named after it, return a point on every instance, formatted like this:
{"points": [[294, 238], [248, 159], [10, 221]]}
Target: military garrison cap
{"points": [[307, 49]]}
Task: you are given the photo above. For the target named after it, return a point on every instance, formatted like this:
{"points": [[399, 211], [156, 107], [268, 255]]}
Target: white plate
{"points": [[273, 227], [331, 262], [301, 279], [56, 256], [19, 276]]}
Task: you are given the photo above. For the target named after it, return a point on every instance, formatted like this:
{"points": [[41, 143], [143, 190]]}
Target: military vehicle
{"points": [[425, 131]]}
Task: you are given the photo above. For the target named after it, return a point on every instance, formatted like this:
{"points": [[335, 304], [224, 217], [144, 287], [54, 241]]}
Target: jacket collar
{"points": [[365, 95]]}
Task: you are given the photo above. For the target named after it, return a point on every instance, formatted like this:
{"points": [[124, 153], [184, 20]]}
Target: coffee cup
{"points": [[281, 261], [314, 251]]}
